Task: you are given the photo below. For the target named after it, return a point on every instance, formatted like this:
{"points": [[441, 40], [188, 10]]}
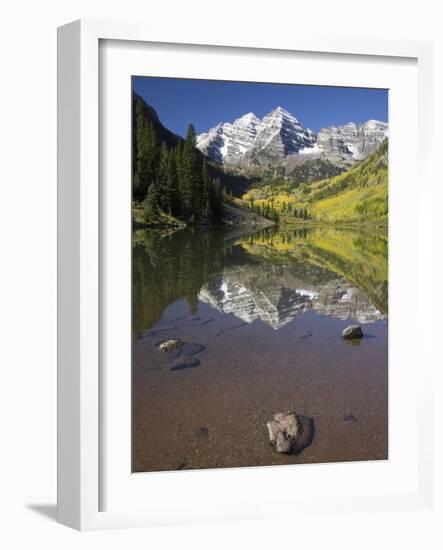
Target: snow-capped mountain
{"points": [[357, 140], [228, 142], [279, 136]]}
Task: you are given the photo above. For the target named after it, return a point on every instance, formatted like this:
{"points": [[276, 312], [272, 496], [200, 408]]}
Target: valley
{"points": [[359, 195], [269, 170]]}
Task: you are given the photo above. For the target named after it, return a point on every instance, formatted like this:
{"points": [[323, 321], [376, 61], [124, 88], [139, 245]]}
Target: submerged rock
{"points": [[170, 345], [353, 331], [180, 355], [283, 431], [181, 364], [189, 350]]}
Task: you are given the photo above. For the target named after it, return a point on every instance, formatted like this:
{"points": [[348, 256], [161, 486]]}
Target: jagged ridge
{"points": [[279, 138]]}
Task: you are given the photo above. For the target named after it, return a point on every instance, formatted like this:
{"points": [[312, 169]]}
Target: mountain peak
{"points": [[280, 109], [248, 118], [253, 142], [281, 112]]}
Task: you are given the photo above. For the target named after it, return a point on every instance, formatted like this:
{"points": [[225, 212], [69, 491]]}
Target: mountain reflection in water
{"points": [[274, 275]]}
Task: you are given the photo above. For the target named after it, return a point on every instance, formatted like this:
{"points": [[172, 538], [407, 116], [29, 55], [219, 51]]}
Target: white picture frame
{"points": [[79, 292]]}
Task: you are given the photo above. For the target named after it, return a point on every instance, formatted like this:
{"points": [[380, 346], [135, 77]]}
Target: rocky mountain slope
{"points": [[357, 140], [254, 146]]}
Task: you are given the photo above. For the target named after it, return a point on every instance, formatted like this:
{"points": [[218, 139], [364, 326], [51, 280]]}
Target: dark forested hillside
{"points": [[140, 107], [171, 176]]}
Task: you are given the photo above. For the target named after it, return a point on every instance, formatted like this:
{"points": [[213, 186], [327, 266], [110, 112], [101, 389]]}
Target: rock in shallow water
{"points": [[170, 345], [353, 331], [188, 350], [282, 445], [181, 354], [283, 431], [185, 363]]}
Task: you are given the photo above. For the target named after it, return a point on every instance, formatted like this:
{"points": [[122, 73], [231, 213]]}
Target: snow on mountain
{"points": [[249, 141], [279, 134], [315, 149], [228, 142], [356, 140]]}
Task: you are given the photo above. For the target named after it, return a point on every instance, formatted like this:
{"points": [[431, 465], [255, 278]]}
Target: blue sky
{"points": [[205, 103]]}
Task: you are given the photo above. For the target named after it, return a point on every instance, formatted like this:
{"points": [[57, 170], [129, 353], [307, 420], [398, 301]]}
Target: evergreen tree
{"points": [[136, 189], [172, 184], [190, 180], [151, 204], [176, 180], [205, 191], [139, 124], [164, 191], [215, 199], [147, 158]]}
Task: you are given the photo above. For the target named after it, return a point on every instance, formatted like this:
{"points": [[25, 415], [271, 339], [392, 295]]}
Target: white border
{"points": [[118, 62], [78, 291]]}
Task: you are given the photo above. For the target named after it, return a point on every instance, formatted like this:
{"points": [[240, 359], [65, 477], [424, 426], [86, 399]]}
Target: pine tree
{"points": [[147, 158], [139, 125], [204, 198], [164, 191], [173, 180], [172, 184], [136, 189], [151, 204], [215, 199], [190, 180]]}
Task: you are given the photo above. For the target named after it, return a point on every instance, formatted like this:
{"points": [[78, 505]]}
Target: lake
{"points": [[261, 316]]}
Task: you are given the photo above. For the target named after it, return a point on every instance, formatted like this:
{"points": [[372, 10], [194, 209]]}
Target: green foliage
{"points": [[172, 180], [147, 159], [264, 210], [359, 195], [151, 204]]}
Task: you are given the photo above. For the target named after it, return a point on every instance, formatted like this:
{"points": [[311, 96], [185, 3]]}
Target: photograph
{"points": [[222, 226], [259, 274]]}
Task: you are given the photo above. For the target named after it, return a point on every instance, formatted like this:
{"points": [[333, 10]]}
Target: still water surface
{"points": [[261, 315]]}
